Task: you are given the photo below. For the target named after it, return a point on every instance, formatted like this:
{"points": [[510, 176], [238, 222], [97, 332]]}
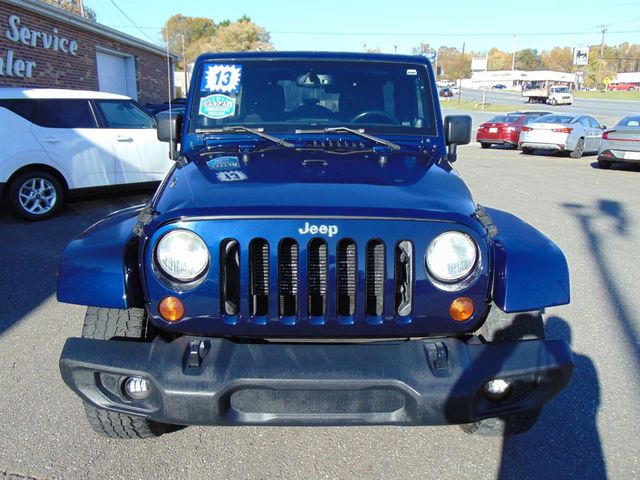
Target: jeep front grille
{"points": [[320, 277]]}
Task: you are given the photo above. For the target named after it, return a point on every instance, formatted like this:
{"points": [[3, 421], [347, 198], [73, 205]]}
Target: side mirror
{"points": [[604, 127], [169, 130], [457, 131]]}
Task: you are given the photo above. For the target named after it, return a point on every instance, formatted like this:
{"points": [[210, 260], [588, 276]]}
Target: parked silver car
{"points": [[576, 134], [621, 143]]}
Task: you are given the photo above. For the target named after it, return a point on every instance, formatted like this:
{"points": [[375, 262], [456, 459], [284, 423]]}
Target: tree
{"points": [[243, 35], [528, 59], [454, 63], [180, 28], [422, 49], [74, 6], [598, 70], [202, 35], [498, 60], [558, 59]]}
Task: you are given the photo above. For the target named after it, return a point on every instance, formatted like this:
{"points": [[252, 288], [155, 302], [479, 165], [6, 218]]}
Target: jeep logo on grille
{"points": [[329, 230]]}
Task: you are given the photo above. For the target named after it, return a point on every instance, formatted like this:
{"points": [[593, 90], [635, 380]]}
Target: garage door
{"points": [[115, 74]]}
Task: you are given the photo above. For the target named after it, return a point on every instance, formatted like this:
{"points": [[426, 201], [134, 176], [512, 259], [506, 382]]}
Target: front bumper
{"points": [[212, 381]]}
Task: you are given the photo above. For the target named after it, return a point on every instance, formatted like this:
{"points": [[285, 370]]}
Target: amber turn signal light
{"points": [[171, 309], [461, 309]]}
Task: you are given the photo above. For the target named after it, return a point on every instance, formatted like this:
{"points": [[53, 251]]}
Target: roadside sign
{"points": [[581, 56], [606, 81]]}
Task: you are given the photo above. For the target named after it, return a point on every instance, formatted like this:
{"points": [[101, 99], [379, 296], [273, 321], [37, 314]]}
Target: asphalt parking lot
{"points": [[589, 431]]}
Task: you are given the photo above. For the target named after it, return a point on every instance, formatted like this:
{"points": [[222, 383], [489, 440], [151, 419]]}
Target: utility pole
{"points": [[460, 75], [603, 29]]}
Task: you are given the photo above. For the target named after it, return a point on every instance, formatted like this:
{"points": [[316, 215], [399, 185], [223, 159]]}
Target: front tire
{"points": [[105, 324], [485, 145], [35, 195], [527, 150], [503, 327]]}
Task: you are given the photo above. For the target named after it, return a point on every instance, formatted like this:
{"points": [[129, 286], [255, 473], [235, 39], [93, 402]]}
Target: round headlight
{"points": [[451, 257], [182, 255]]}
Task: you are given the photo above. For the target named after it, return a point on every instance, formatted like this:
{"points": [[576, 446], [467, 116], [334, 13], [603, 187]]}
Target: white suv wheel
{"points": [[35, 195]]}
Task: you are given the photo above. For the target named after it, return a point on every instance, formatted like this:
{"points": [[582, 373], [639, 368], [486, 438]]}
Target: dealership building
{"points": [[46, 47]]}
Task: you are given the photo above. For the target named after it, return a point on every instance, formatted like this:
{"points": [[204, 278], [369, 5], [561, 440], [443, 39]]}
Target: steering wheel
{"points": [[383, 117]]}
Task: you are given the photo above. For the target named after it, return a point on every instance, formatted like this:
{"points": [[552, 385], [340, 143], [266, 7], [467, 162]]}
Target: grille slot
{"points": [[259, 277], [288, 277], [317, 257], [374, 277], [404, 277], [347, 271], [230, 277]]}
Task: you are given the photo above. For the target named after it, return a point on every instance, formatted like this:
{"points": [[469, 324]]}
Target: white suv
{"points": [[56, 143]]}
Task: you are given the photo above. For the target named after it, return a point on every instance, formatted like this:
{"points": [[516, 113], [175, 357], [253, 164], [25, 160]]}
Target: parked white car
{"points": [[575, 134], [56, 143], [621, 143]]}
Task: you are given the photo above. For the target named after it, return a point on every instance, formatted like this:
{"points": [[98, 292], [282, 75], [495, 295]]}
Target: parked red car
{"points": [[622, 87], [505, 129]]}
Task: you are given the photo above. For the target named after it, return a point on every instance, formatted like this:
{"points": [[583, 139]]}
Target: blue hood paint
{"points": [[286, 182]]}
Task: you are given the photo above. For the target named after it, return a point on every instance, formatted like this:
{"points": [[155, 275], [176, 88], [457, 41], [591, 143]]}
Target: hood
{"points": [[294, 182]]}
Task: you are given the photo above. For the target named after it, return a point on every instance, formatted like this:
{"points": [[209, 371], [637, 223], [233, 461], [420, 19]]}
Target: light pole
{"points": [[513, 61]]}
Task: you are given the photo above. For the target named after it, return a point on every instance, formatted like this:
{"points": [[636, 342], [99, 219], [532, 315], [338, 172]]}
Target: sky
{"points": [[396, 26]]}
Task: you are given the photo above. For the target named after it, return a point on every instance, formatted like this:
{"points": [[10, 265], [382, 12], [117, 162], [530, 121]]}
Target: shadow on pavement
{"points": [[31, 250], [622, 166], [565, 442], [587, 218]]}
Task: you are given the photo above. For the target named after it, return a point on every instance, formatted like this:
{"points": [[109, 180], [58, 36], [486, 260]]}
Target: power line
{"points": [[133, 23], [430, 34], [415, 34]]}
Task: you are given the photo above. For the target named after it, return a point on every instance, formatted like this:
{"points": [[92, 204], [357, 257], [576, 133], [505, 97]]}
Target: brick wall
{"points": [[56, 69]]}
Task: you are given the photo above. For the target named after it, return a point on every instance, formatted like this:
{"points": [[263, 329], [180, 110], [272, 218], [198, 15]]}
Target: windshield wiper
{"points": [[360, 133], [254, 131]]}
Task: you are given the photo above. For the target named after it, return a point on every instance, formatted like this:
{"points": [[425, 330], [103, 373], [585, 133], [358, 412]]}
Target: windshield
{"points": [[630, 121], [560, 89], [506, 118], [289, 95]]}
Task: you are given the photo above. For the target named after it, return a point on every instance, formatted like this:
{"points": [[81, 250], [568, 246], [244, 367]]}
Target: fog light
{"points": [[137, 388], [497, 389], [461, 309], [171, 309]]}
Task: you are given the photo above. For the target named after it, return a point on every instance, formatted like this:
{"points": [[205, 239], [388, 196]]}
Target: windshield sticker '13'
{"points": [[221, 78]]}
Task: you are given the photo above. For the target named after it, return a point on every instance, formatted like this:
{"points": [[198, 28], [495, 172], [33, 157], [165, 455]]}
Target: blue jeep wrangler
{"points": [[313, 259]]}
